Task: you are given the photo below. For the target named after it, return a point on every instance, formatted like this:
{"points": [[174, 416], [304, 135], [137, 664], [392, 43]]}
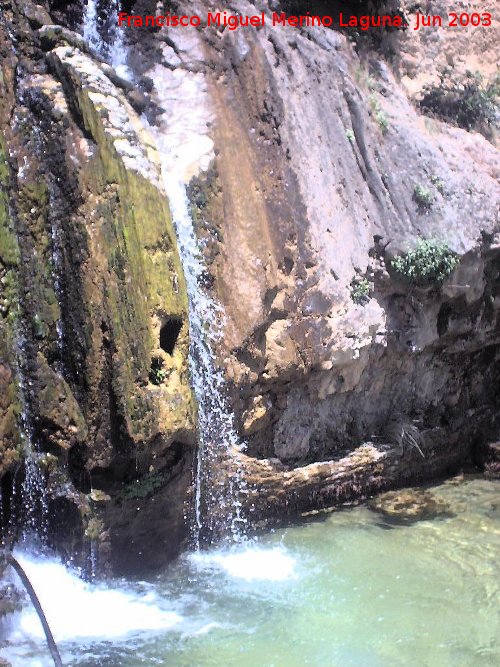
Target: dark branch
{"points": [[36, 603]]}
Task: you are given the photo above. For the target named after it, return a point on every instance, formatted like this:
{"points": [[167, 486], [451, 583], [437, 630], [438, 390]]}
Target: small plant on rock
{"points": [[422, 196], [145, 486], [157, 374], [380, 117], [360, 291], [383, 121], [438, 183], [430, 262]]}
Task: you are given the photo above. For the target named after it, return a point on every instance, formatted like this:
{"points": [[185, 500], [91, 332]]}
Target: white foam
{"points": [[76, 609], [252, 564]]}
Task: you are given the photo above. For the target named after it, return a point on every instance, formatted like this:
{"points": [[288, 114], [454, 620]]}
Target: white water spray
{"points": [[251, 564], [110, 46], [103, 612], [218, 440], [34, 504], [90, 33]]}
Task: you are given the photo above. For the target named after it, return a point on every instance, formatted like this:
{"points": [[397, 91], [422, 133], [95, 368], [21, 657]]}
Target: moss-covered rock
{"points": [[9, 259], [89, 255]]}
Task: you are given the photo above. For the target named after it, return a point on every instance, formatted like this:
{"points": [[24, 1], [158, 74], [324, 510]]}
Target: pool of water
{"points": [[348, 590]]}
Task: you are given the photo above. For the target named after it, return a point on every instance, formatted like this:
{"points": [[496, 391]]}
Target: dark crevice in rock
{"points": [[6, 498], [64, 528], [79, 475], [169, 334]]}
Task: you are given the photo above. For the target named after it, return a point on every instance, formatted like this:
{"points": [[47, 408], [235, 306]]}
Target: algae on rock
{"points": [[89, 264]]}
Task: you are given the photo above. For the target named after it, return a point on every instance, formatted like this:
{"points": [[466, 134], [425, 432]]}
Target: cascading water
{"points": [[186, 150], [90, 33], [217, 503], [104, 36], [33, 492]]}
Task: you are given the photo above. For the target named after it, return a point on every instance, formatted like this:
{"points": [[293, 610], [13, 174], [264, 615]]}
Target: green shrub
{"points": [[431, 262], [383, 121], [422, 196], [146, 486], [438, 183], [465, 101], [157, 373], [380, 117], [360, 291], [350, 135]]}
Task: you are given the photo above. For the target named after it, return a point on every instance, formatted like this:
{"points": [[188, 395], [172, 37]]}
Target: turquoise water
{"points": [[349, 590]]}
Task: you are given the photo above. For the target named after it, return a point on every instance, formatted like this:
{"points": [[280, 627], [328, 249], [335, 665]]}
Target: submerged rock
{"points": [[408, 505]]}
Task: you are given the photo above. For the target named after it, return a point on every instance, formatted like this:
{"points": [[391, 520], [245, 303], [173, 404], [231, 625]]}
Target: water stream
{"points": [[104, 36], [350, 590], [186, 150], [217, 433]]}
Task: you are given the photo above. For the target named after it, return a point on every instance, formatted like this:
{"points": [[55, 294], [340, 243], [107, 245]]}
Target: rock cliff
{"points": [[346, 374], [94, 327]]}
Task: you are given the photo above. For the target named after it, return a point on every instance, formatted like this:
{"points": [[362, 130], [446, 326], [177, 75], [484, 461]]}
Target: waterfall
{"points": [[90, 33], [217, 506], [34, 504], [186, 150], [104, 36]]}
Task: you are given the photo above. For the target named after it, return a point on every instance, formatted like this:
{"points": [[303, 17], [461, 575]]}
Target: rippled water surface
{"points": [[348, 590]]}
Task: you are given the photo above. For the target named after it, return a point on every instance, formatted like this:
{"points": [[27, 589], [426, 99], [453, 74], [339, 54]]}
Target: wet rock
{"points": [[59, 411], [408, 505], [54, 35], [90, 252], [491, 460], [36, 14], [98, 496], [138, 100], [12, 599], [257, 415]]}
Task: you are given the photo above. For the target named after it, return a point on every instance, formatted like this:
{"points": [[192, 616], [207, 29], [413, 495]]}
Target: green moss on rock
{"points": [[10, 407]]}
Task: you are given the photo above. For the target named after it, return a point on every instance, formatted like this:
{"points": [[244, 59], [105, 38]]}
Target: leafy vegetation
{"points": [[422, 196], [466, 101], [438, 183], [383, 121], [380, 117], [350, 135], [430, 262], [141, 488], [360, 291], [157, 374]]}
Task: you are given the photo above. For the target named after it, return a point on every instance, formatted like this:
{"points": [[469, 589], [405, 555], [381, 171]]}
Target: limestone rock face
{"points": [[90, 277], [330, 150], [325, 171]]}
